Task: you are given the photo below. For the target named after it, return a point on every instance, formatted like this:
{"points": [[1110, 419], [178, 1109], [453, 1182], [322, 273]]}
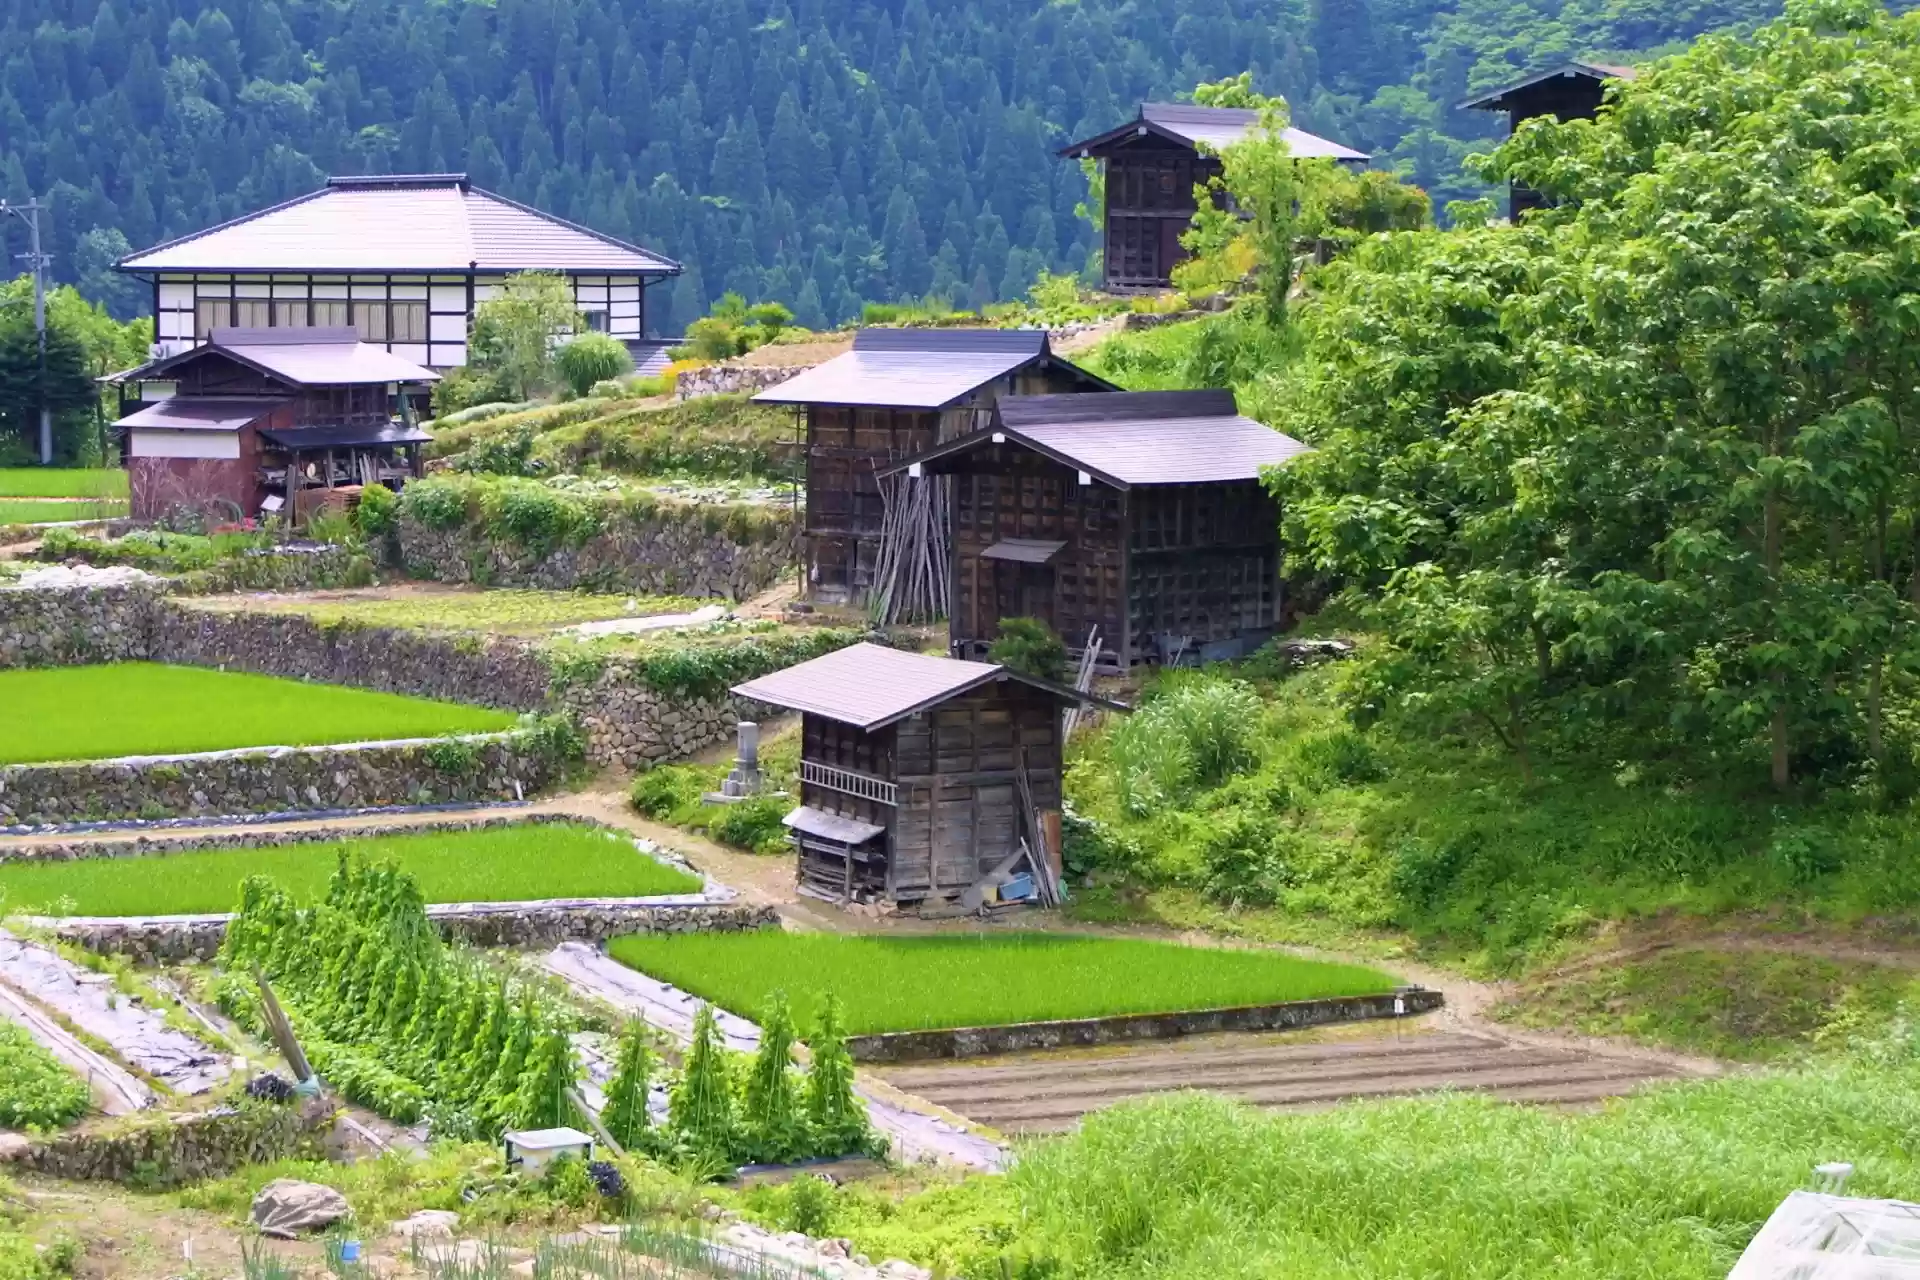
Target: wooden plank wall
{"points": [[829, 742], [844, 510], [959, 812], [1205, 563], [1010, 492]]}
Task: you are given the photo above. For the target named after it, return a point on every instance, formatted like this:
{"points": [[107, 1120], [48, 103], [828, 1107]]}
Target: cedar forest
{"points": [[818, 153]]}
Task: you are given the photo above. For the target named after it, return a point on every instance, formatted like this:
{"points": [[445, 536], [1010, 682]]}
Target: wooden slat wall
{"points": [[829, 742], [1205, 563], [844, 510], [1011, 492], [959, 799]]}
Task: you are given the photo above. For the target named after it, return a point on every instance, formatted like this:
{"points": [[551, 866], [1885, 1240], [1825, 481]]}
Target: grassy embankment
{"points": [[143, 708], [494, 864], [1242, 800], [969, 980]]}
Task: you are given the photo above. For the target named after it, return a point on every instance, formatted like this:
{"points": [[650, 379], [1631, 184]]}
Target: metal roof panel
{"points": [[1495, 99], [831, 826], [433, 222], [867, 685], [912, 368], [1217, 127], [316, 357], [345, 437], [200, 413]]}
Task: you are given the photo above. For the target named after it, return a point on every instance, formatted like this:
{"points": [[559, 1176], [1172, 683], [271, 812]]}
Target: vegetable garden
{"points": [[143, 708], [399, 1021], [973, 979], [493, 864]]}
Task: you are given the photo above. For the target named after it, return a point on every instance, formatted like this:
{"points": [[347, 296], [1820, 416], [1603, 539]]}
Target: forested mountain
{"points": [[819, 152]]}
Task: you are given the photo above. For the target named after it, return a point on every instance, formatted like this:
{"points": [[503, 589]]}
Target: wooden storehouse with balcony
{"points": [[269, 421], [1573, 91], [1152, 165], [897, 392], [1134, 520], [920, 776]]}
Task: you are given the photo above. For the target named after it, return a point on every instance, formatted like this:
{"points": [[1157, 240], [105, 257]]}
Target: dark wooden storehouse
{"points": [[897, 392], [1152, 164], [919, 775], [1135, 518], [1570, 92], [260, 420]]}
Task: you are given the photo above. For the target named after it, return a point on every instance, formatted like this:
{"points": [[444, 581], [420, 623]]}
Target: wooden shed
{"points": [[1153, 163], [1136, 515], [1573, 91], [897, 392], [919, 775]]}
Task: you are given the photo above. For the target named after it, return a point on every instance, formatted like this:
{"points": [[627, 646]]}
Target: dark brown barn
{"points": [[1137, 514], [919, 775], [1153, 163], [257, 418], [897, 392], [1571, 92]]}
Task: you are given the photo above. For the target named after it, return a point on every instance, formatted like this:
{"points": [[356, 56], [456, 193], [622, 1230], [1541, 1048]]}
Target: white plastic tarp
{"points": [[1825, 1237]]}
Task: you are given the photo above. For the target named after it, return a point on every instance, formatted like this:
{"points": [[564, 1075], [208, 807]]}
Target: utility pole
{"points": [[37, 263]]}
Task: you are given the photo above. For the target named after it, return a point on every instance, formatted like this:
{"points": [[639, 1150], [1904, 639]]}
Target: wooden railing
{"points": [[863, 785]]}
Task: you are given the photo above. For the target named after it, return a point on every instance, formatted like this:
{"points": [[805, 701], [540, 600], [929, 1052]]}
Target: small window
{"points": [[210, 314], [409, 322], [330, 315], [597, 321], [290, 315], [253, 313], [370, 318]]}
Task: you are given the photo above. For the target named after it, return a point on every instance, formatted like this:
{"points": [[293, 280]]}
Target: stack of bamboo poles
{"points": [[910, 577]]}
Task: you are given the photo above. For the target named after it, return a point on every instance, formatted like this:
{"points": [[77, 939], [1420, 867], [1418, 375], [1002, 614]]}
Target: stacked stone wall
{"points": [[40, 628]]}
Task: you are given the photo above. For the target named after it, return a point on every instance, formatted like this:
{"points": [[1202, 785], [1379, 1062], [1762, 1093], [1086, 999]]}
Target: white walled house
{"points": [[402, 259]]}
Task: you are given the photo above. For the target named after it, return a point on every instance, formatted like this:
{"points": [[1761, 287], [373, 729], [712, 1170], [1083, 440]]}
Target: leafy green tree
{"points": [[516, 332], [1029, 646]]}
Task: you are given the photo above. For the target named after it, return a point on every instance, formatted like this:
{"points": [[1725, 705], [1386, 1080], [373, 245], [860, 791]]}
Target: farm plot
{"points": [[432, 607], [58, 510], [142, 708], [493, 864], [975, 980], [63, 482]]}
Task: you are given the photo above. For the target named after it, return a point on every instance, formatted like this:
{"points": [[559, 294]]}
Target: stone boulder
{"points": [[286, 1207]]}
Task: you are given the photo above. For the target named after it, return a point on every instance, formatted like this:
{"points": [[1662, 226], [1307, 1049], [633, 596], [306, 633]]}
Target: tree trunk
{"points": [[1782, 774]]}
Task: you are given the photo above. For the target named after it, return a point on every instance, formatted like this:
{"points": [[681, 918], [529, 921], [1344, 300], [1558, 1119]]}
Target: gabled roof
{"points": [[200, 413], [1216, 127], [919, 368], [1496, 99], [412, 223], [1131, 438], [870, 686], [325, 357]]}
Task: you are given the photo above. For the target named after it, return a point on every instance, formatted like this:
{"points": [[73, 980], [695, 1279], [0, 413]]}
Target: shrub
{"points": [[591, 358], [1217, 720], [510, 453], [376, 512], [752, 824], [436, 503], [1337, 757], [1242, 861], [36, 1091], [1089, 846], [1029, 646], [469, 387]]}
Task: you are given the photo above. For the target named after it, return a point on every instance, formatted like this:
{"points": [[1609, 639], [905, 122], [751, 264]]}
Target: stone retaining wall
{"points": [[68, 849], [683, 550], [173, 939], [83, 624], [985, 1042], [153, 1152], [275, 779], [730, 379]]}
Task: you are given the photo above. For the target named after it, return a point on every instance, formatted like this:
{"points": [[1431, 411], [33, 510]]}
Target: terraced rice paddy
{"points": [[972, 979], [145, 708], [493, 864]]}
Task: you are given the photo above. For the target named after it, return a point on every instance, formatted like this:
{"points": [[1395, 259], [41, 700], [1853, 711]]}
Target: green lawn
{"points": [[22, 512], [144, 708], [62, 482], [495, 864], [972, 979]]}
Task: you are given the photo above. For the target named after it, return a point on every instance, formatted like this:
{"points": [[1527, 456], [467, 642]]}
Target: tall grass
{"points": [[1669, 1184]]}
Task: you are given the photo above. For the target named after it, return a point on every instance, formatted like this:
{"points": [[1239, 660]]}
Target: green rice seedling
{"points": [[146, 708], [979, 979], [493, 864]]}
